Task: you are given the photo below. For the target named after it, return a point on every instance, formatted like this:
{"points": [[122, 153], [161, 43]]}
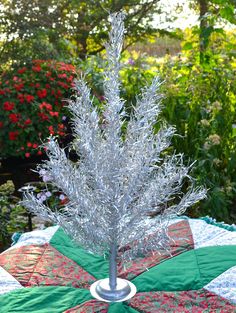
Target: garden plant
{"points": [[32, 105]]}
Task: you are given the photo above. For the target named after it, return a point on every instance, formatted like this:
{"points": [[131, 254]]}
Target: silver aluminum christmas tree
{"points": [[121, 178]]}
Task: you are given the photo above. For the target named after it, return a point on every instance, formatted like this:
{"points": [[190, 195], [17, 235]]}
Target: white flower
{"points": [[206, 145], [48, 194], [216, 161], [217, 106], [42, 198], [205, 122], [45, 176], [62, 197], [214, 139]]}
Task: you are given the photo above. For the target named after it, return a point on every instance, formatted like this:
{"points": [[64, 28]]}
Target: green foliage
{"points": [[135, 73], [200, 101], [214, 15], [13, 217], [217, 10], [32, 105]]}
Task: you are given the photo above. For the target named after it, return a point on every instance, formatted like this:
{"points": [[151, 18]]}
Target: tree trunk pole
{"points": [[203, 8], [113, 266]]}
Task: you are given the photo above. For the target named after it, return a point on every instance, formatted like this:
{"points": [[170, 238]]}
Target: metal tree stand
{"points": [[113, 289]]}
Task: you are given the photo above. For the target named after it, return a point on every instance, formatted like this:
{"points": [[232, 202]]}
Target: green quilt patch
{"points": [[190, 270], [95, 265], [49, 299]]}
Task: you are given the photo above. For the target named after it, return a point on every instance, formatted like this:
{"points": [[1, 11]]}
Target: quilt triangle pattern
{"points": [[53, 274], [43, 265]]}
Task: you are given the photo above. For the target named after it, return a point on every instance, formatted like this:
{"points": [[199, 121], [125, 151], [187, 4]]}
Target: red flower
{"points": [[51, 130], [64, 201], [19, 87], [45, 105], [13, 135], [1, 124], [66, 67], [70, 79], [29, 144], [28, 122], [42, 93], [21, 97], [39, 152], [54, 113], [14, 118], [27, 154], [8, 106], [2, 92], [62, 75], [61, 126], [43, 116], [29, 98], [22, 70], [36, 68], [63, 85], [35, 145]]}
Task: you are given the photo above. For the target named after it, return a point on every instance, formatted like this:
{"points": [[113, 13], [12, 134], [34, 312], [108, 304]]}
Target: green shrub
{"points": [[13, 217], [200, 102]]}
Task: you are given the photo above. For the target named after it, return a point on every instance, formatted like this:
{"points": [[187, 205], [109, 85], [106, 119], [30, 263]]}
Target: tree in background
{"points": [[64, 29], [212, 13]]}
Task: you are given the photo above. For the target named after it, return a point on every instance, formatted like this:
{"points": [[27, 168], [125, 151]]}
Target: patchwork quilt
{"points": [[46, 272]]}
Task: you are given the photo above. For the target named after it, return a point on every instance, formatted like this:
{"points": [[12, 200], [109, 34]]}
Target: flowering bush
{"points": [[32, 105]]}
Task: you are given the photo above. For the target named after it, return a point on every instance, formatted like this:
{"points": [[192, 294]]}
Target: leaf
{"points": [[228, 13], [206, 32], [219, 30], [234, 132], [187, 46]]}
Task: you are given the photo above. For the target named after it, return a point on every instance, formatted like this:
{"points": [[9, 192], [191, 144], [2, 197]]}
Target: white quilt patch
{"points": [[36, 237], [207, 235], [224, 285], [7, 282]]}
